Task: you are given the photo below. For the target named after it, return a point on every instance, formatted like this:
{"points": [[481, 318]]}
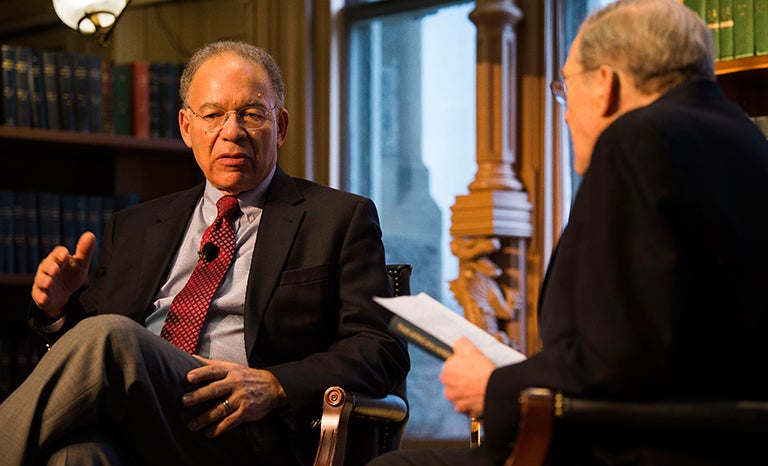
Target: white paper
{"points": [[447, 326]]}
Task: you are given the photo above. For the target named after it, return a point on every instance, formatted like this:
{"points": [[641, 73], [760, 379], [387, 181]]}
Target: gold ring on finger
{"points": [[227, 407]]}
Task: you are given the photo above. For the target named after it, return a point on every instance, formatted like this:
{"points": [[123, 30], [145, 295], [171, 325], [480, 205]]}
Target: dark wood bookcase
{"points": [[745, 81], [77, 163]]}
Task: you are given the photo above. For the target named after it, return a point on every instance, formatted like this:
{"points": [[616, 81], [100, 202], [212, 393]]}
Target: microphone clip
{"points": [[209, 252]]}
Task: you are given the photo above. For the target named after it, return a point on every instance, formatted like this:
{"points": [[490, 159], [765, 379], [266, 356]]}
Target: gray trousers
{"points": [[109, 393]]}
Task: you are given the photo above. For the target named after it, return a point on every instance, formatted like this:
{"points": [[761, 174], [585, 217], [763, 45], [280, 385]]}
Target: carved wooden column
{"points": [[491, 225]]}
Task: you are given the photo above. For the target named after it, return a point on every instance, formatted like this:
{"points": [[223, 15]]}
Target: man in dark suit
{"points": [[657, 286], [292, 316]]}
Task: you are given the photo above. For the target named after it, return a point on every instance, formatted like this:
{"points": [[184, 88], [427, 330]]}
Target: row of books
{"points": [[32, 223], [739, 27], [80, 92]]}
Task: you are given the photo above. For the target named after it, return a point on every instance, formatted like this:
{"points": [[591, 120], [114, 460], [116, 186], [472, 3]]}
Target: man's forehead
{"points": [[228, 77]]}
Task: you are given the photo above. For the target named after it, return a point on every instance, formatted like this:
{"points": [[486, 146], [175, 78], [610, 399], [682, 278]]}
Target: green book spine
{"points": [[761, 27], [726, 29], [713, 21], [743, 28], [122, 101]]}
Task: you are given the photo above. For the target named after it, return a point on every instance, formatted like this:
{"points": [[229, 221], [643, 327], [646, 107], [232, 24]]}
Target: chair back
{"points": [[369, 438], [400, 278]]}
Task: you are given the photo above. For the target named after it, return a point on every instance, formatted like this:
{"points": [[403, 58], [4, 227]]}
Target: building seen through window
{"points": [[410, 146]]}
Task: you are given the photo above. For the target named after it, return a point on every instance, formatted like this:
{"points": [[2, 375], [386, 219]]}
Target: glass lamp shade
{"points": [[89, 16]]}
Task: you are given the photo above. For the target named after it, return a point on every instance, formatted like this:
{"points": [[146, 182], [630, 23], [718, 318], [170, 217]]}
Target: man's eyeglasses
{"points": [[560, 90], [250, 118]]}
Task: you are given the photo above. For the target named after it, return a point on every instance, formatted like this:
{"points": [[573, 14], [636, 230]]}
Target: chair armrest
{"points": [[338, 406], [542, 411], [535, 431], [717, 417]]}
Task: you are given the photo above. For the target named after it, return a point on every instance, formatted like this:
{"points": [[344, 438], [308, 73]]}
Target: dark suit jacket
{"points": [[657, 285], [317, 262]]}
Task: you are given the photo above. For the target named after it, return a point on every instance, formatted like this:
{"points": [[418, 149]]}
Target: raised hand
{"points": [[60, 274]]}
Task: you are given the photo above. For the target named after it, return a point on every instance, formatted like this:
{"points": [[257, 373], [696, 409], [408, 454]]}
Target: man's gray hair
{"points": [[245, 50], [659, 43]]}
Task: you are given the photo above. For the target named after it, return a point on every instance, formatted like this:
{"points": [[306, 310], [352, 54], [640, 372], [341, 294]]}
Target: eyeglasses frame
{"points": [[227, 114]]}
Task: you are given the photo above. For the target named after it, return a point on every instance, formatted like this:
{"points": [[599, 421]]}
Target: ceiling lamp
{"points": [[92, 18]]}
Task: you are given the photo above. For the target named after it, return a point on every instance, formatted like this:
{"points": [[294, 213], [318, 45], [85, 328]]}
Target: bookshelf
{"points": [[745, 81], [73, 162], [68, 162]]}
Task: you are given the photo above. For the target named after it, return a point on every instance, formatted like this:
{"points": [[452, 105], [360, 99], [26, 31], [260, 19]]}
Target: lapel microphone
{"points": [[209, 252]]}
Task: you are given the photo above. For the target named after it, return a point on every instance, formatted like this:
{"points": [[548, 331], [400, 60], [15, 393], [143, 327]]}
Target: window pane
{"points": [[412, 149], [575, 12]]}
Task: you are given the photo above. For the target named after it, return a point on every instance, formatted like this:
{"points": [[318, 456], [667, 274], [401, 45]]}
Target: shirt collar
{"points": [[250, 201]]}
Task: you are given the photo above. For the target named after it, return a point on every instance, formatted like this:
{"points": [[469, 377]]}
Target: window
{"points": [[411, 148]]}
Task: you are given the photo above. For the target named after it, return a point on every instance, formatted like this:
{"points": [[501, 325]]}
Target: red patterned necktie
{"points": [[187, 313]]}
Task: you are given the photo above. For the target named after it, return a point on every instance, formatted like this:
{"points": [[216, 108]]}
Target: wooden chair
{"points": [[725, 432], [355, 428]]}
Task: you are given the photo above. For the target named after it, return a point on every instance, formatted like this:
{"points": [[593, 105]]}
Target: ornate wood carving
{"points": [[492, 223]]}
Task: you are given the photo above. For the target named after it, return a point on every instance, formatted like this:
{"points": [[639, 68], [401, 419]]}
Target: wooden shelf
{"points": [[16, 279], [739, 65], [112, 141], [744, 82], [91, 163]]}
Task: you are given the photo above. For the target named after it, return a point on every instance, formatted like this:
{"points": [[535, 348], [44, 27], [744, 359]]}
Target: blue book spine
{"points": [[19, 233], [81, 215], [126, 200], [8, 81], [81, 84], [169, 96], [51, 89], [50, 221], [32, 212], [96, 88], [69, 233], [6, 232], [95, 219], [37, 90], [66, 81], [23, 99]]}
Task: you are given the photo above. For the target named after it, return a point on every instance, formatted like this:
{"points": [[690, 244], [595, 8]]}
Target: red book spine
{"points": [[141, 120]]}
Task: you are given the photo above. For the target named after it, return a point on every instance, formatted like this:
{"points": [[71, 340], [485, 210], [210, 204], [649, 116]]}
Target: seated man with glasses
{"points": [[214, 318], [657, 287]]}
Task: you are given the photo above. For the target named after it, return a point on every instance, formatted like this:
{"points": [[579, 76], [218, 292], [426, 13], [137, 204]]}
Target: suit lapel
{"points": [[161, 241], [279, 226]]}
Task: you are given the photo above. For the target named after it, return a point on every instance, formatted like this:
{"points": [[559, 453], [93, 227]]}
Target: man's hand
{"points": [[60, 274], [250, 394], [465, 376]]}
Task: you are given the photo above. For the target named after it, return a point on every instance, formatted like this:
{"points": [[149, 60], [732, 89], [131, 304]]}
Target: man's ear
{"points": [[282, 120], [184, 127], [608, 89]]}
